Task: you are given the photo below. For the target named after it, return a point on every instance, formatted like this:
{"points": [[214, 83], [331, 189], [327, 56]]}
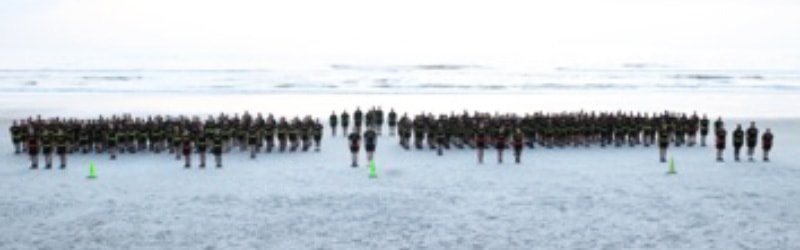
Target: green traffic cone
{"points": [[372, 171], [672, 166], [92, 174]]}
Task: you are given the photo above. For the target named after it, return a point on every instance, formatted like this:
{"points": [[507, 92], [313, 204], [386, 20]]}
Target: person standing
{"points": [[333, 121], [721, 134], [738, 141], [186, 148], [703, 130], [355, 144], [663, 142], [370, 143], [33, 148], [392, 122], [345, 121], [61, 143], [216, 148], [766, 144], [517, 142], [480, 141], [253, 135], [357, 119], [440, 137], [202, 146], [752, 140], [48, 144], [113, 141], [16, 136], [317, 134], [500, 139]]}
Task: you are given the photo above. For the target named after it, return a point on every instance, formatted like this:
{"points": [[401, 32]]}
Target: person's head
{"points": [[769, 131], [738, 126], [752, 124]]}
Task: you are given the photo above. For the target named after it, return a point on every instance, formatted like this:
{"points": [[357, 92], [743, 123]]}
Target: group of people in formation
{"points": [[182, 136], [481, 131], [372, 120], [742, 137]]}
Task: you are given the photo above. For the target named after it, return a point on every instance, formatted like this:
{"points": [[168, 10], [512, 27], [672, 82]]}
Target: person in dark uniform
{"points": [[500, 143], [269, 133], [357, 119], [112, 139], [216, 148], [738, 141], [392, 122], [481, 138], [48, 145], [752, 140], [691, 126], [306, 130], [703, 130], [186, 148], [370, 143], [201, 143], [345, 121], [242, 134], [252, 138], [16, 136], [439, 136], [721, 134], [766, 144], [333, 120], [283, 134], [649, 133], [379, 120], [32, 143], [294, 136], [317, 133], [177, 136], [663, 142], [157, 138], [355, 143], [169, 136], [229, 131], [419, 132], [62, 143], [517, 143]]}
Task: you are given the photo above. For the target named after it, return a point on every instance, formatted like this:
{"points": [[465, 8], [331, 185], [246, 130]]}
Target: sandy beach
{"points": [[572, 198]]}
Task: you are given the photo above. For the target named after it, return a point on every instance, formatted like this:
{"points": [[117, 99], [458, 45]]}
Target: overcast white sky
{"points": [[385, 30]]}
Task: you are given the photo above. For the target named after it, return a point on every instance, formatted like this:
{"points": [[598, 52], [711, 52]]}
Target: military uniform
{"points": [[370, 143], [766, 143], [738, 141], [355, 143], [721, 138], [752, 140], [333, 121]]}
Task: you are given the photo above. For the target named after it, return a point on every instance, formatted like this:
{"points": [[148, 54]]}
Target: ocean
{"points": [[397, 79]]}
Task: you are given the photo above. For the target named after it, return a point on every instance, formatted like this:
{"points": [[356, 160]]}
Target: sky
{"points": [[83, 32]]}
